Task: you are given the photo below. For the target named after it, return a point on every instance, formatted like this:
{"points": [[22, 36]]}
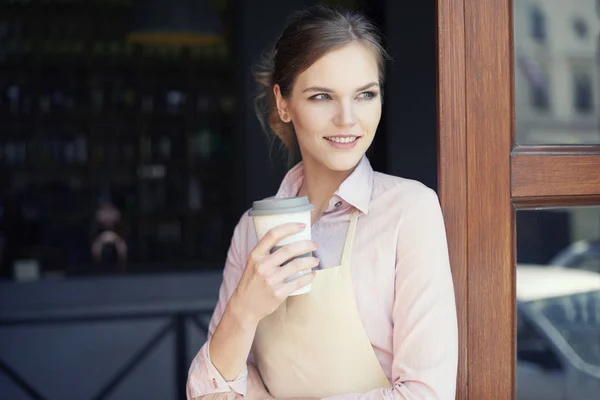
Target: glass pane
{"points": [[114, 158], [557, 82], [558, 304]]}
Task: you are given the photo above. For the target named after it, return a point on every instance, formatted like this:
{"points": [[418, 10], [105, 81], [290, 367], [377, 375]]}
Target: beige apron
{"points": [[314, 344]]}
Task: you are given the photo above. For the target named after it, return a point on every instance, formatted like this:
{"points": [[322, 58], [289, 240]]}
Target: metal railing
{"points": [[176, 323]]}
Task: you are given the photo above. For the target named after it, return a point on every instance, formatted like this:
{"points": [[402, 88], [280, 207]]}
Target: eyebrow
{"points": [[327, 90]]}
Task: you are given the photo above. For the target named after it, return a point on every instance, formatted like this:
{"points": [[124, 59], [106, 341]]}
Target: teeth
{"points": [[342, 140]]}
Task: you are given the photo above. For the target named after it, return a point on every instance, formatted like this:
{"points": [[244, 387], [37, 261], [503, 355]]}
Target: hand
{"points": [[262, 287]]}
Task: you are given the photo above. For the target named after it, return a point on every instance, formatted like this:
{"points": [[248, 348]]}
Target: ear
{"points": [[282, 104]]}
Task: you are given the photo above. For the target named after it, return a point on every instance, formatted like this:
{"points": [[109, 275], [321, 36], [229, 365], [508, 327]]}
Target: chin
{"points": [[342, 163]]}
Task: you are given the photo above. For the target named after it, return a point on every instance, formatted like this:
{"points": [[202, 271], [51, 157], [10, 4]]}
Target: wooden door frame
{"points": [[484, 178], [452, 156], [475, 189]]}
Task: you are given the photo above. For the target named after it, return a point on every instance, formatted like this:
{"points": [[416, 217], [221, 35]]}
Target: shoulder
{"points": [[409, 208], [402, 204], [244, 236], [401, 194], [245, 223]]}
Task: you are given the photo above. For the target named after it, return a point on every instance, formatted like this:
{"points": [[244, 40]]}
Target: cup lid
{"points": [[276, 206]]}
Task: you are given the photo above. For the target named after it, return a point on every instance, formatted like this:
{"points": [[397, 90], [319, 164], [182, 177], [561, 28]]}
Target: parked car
{"points": [[558, 333], [583, 254]]}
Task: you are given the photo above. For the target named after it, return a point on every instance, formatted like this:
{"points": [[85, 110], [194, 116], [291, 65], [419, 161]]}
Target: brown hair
{"points": [[308, 36]]}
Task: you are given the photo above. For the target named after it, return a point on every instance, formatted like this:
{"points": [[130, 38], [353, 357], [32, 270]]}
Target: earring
{"points": [[284, 117]]}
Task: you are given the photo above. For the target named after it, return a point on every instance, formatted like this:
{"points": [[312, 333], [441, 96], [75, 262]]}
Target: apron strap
{"points": [[350, 238]]}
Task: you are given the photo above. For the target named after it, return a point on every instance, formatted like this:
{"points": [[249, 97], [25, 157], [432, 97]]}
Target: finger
{"points": [[290, 251], [294, 267], [266, 266], [275, 235], [298, 283]]}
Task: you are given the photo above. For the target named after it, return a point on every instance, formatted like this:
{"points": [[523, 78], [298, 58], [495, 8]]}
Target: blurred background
{"points": [[556, 93], [136, 117], [129, 149]]}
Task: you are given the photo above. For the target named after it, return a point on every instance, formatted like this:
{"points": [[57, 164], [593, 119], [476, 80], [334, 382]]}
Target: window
{"points": [[580, 27], [538, 24], [540, 96], [582, 96], [537, 80], [133, 173]]}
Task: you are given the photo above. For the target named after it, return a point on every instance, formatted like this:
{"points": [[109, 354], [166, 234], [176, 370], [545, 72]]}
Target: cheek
{"points": [[370, 116], [312, 119]]}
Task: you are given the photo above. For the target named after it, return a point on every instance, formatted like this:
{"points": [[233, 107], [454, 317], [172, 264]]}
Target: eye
{"points": [[320, 97], [367, 95]]}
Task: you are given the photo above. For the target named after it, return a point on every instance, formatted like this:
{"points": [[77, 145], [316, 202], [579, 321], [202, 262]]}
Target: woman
{"points": [[380, 319]]}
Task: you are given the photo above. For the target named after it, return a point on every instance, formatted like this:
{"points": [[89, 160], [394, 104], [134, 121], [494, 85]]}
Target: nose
{"points": [[346, 115]]}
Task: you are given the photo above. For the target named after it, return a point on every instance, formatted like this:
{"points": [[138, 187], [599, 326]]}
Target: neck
{"points": [[319, 185]]}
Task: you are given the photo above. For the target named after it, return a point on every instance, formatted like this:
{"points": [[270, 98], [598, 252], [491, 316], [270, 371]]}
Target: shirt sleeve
{"points": [[203, 377], [425, 334]]}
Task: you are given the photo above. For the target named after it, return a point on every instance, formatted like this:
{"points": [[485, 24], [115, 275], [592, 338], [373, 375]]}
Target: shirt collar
{"points": [[355, 190]]}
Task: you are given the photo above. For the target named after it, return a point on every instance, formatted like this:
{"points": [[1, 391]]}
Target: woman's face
{"points": [[335, 106]]}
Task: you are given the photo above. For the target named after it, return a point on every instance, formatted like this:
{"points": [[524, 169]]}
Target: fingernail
{"points": [[315, 244], [302, 226]]}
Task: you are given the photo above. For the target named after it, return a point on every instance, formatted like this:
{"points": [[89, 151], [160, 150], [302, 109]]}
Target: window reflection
{"points": [[556, 71], [558, 304], [538, 24], [582, 85], [580, 27], [538, 86]]}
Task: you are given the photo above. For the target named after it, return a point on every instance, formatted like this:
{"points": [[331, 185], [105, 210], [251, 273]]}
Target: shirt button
{"points": [[215, 384], [338, 204]]}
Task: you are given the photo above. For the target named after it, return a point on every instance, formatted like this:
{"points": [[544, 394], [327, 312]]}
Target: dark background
{"points": [[87, 117], [167, 135]]}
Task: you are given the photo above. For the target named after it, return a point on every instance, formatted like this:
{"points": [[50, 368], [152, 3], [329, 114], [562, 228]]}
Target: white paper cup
{"points": [[267, 214]]}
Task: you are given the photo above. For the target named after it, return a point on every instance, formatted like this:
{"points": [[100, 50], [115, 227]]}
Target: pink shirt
{"points": [[401, 276]]}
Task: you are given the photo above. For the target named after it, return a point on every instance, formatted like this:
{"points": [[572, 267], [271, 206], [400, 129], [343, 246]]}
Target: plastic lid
{"points": [[276, 206]]}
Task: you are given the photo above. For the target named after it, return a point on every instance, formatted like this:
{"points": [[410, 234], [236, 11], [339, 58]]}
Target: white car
{"points": [[558, 333]]}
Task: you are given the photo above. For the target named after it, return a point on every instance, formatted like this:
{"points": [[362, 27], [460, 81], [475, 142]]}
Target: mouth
{"points": [[342, 139], [342, 142]]}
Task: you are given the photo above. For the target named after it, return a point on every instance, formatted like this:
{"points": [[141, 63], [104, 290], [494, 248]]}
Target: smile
{"points": [[342, 139]]}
